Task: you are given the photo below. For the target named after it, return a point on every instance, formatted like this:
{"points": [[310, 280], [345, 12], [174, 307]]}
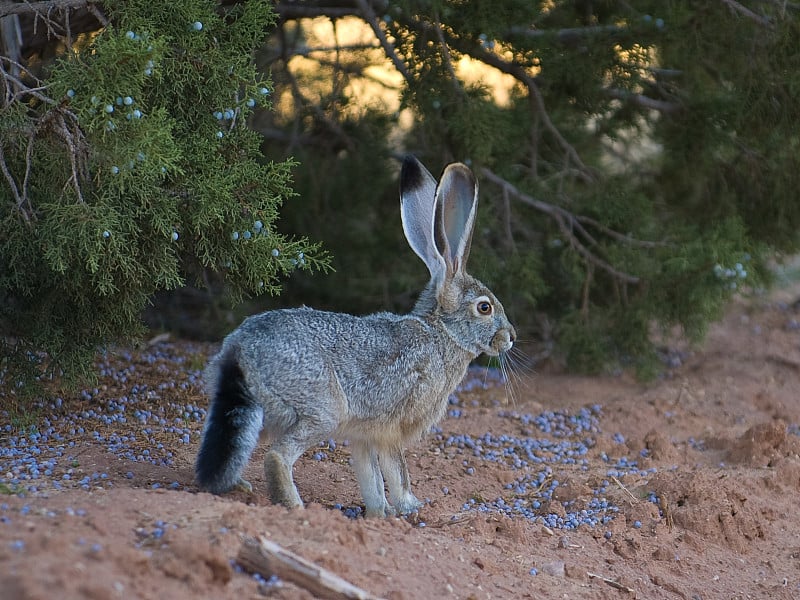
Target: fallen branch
{"points": [[454, 520], [663, 504], [268, 558], [783, 361], [613, 583]]}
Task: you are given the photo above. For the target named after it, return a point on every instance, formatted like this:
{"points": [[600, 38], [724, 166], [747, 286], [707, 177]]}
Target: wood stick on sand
{"points": [[613, 583], [268, 558]]}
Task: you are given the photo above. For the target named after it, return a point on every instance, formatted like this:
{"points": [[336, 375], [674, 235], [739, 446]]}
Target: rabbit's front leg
{"points": [[395, 471], [370, 480]]}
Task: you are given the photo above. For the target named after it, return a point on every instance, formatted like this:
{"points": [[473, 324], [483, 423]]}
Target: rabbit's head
{"points": [[438, 220]]}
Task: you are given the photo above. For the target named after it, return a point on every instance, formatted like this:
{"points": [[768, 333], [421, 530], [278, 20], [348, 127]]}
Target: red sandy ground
{"points": [[729, 525]]}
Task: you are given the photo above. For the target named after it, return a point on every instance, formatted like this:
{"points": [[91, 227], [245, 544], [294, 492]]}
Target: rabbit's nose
{"points": [[503, 339]]}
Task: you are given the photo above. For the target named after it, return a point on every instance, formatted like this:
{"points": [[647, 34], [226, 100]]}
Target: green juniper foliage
{"points": [[132, 170]]}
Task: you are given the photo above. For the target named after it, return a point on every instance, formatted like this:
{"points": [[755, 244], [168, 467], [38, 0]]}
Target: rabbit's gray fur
{"points": [[380, 381]]}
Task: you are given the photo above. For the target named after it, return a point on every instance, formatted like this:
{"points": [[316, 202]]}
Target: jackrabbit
{"points": [[380, 381]]}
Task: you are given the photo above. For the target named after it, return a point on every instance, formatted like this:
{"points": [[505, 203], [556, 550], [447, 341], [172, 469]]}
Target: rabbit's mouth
{"points": [[502, 341]]}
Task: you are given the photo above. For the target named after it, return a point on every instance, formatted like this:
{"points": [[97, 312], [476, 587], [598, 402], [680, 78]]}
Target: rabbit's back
{"points": [[381, 376]]}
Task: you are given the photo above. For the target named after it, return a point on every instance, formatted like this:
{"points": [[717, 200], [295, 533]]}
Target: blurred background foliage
{"points": [[637, 161]]}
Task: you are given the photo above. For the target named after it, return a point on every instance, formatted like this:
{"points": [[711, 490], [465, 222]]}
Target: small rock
{"points": [[659, 445], [555, 568], [574, 571], [662, 553]]}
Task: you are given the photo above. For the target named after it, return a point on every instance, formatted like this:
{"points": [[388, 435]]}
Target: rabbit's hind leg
{"points": [[370, 480], [306, 430], [278, 472], [393, 462], [279, 461]]}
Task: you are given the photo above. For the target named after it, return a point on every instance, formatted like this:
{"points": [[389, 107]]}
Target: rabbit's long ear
{"points": [[417, 210], [456, 207]]}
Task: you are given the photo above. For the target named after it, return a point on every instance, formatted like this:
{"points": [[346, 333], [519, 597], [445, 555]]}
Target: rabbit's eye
{"points": [[484, 307]]}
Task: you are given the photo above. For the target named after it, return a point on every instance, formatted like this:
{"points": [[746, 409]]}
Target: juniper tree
{"points": [[128, 167]]}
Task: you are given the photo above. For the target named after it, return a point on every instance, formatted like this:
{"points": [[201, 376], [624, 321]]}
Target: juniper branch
{"points": [[565, 221], [307, 51], [20, 87], [331, 124], [620, 236], [368, 14], [41, 8], [644, 101], [566, 35], [743, 10], [521, 74], [12, 183], [448, 60], [289, 11]]}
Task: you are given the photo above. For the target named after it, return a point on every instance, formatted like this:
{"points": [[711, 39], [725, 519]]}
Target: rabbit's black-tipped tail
{"points": [[231, 432]]}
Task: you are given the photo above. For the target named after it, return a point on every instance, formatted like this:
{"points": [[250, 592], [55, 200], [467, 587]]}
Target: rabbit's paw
{"points": [[408, 504], [243, 486], [380, 512]]}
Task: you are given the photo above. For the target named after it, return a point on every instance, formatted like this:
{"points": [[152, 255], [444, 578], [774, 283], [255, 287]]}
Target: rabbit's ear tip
{"points": [[411, 175], [409, 160], [460, 169]]}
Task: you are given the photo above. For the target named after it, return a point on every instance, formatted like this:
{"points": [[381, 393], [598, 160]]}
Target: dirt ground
{"points": [[597, 487]]}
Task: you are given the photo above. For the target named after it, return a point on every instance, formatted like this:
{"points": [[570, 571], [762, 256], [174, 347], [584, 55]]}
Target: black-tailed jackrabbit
{"points": [[380, 381]]}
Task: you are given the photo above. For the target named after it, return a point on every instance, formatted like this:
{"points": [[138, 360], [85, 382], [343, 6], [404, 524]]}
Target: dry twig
{"points": [[634, 499], [663, 504], [612, 582]]}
